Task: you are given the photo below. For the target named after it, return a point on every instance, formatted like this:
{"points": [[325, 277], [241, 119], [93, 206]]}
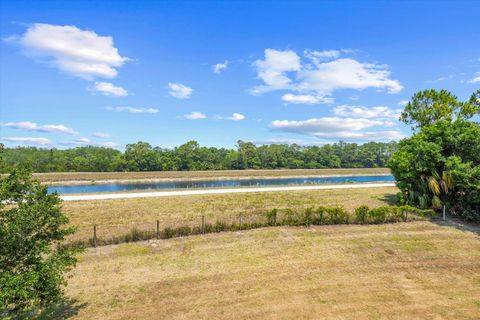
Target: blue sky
{"points": [[115, 72]]}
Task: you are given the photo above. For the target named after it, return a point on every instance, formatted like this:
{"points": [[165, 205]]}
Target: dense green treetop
{"points": [[141, 156], [440, 164], [32, 258]]}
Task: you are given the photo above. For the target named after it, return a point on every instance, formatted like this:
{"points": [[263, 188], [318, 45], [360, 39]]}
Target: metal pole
{"points": [[95, 235]]}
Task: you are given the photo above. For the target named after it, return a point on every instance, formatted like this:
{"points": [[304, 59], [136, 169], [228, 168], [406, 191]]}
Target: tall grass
{"points": [[287, 217]]}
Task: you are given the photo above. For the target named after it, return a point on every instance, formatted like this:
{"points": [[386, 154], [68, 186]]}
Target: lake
{"points": [[199, 184]]}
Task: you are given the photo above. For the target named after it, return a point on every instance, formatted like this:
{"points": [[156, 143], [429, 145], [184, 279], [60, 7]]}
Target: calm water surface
{"points": [[119, 187]]}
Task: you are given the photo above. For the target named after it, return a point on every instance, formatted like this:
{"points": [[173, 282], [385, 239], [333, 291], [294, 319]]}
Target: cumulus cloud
{"points": [[195, 116], [219, 67], [337, 127], [109, 144], [82, 142], [77, 142], [379, 112], [236, 117], [305, 99], [403, 103], [325, 73], [476, 78], [274, 68], [101, 135], [32, 126], [28, 140], [109, 89], [179, 90], [290, 141], [81, 53], [318, 56], [132, 109]]}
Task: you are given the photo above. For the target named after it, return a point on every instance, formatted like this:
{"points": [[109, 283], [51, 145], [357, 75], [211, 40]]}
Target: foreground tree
{"points": [[33, 261], [439, 166]]}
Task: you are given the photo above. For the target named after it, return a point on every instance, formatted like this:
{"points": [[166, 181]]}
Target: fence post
{"points": [[241, 221], [95, 235], [275, 217], [158, 229], [203, 224]]}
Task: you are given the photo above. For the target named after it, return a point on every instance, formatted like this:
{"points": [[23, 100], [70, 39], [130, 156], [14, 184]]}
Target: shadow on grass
{"points": [[64, 309], [457, 223], [390, 199]]}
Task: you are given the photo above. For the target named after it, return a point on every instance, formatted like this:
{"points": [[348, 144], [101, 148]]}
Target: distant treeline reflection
{"points": [[141, 156]]}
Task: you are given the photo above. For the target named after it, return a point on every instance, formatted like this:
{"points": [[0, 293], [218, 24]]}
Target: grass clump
{"points": [[321, 215]]}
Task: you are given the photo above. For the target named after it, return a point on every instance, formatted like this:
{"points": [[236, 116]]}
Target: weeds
{"points": [[286, 217]]}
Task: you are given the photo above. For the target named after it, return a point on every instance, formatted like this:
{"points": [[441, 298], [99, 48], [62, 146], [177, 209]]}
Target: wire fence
{"points": [[103, 235]]}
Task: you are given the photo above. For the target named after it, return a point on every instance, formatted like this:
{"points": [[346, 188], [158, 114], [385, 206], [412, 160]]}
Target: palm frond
{"points": [[447, 177], [436, 202], [433, 186]]}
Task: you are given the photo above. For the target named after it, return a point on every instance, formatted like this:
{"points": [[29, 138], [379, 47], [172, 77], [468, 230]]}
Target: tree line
{"points": [[141, 156]]}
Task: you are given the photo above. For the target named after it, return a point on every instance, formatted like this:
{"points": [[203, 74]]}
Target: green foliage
{"points": [[287, 217], [440, 164], [361, 214], [430, 106], [33, 260], [141, 156]]}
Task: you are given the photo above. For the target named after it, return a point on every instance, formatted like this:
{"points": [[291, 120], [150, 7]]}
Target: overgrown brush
{"points": [[310, 216]]}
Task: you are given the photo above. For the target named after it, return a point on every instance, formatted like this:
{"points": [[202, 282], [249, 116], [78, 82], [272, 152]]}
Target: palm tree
{"points": [[440, 187]]}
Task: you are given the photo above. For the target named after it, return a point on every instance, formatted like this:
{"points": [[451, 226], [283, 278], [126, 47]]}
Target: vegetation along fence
{"points": [[287, 217]]}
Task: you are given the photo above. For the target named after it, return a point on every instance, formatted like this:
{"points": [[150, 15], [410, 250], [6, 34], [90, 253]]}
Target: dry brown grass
{"points": [[399, 271], [102, 177], [117, 217]]}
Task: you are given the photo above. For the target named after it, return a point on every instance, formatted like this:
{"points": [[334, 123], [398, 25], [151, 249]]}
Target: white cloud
{"points": [[346, 73], [77, 142], [290, 141], [81, 53], [236, 117], [339, 128], [273, 70], [379, 112], [403, 103], [28, 140], [109, 89], [195, 116], [283, 70], [132, 110], [305, 99], [319, 56], [101, 135], [32, 126], [179, 90], [109, 144], [219, 67], [476, 78]]}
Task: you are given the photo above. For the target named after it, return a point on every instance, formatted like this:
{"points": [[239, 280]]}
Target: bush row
{"points": [[307, 217]]}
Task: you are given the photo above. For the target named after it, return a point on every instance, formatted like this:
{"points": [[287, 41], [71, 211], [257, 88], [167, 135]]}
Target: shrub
{"points": [[272, 216], [361, 214], [378, 215], [337, 215]]}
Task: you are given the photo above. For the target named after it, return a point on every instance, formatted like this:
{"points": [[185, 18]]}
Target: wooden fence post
{"points": [[203, 224], [95, 235], [275, 217], [158, 229], [241, 221]]}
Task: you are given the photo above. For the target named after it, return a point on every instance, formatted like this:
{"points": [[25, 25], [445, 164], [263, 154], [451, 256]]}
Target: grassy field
{"points": [[117, 217], [416, 270], [103, 177]]}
